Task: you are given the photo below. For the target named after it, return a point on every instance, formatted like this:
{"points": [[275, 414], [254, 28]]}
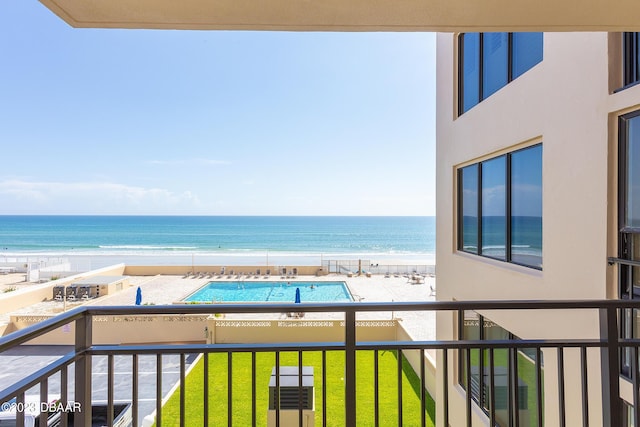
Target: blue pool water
{"points": [[271, 292]]}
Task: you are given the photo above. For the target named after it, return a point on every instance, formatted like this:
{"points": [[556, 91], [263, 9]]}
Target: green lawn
{"points": [[242, 399]]}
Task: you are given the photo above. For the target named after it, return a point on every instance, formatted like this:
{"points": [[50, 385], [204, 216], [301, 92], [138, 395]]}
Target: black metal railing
{"points": [[80, 362]]}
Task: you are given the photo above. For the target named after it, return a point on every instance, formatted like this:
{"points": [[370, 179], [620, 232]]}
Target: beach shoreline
{"points": [[92, 261]]}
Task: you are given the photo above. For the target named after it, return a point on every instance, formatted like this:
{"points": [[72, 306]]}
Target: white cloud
{"points": [[32, 197]]}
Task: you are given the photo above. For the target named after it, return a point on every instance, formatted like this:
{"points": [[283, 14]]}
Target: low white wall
{"points": [[24, 297], [416, 357]]}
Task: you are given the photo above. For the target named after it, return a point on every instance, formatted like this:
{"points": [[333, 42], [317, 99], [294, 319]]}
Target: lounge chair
{"points": [[416, 279]]}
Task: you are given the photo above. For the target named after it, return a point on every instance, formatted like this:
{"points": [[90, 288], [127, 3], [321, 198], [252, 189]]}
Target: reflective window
{"points": [[526, 206], [495, 62], [627, 414], [489, 61], [499, 363], [494, 238], [469, 207], [470, 46], [471, 331], [629, 228], [632, 172], [631, 65], [527, 52], [509, 189]]}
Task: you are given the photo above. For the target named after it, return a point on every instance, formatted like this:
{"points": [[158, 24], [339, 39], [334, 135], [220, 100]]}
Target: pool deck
{"points": [[161, 290], [377, 288]]}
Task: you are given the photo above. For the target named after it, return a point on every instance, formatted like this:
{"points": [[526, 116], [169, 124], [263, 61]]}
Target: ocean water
{"points": [[218, 239], [526, 237]]}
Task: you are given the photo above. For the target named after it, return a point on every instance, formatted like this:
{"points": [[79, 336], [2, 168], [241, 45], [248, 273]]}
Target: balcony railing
{"points": [[602, 349]]}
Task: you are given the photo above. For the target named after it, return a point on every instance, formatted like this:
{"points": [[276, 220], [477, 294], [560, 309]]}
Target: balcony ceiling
{"points": [[353, 15]]}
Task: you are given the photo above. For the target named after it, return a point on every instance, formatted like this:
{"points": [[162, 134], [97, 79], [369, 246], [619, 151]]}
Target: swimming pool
{"points": [[271, 292]]}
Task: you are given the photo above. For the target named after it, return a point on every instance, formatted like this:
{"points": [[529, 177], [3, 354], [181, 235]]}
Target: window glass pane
{"points": [[469, 202], [631, 58], [471, 325], [471, 331], [526, 206], [527, 389], [492, 331], [527, 52], [632, 208], [470, 45], [627, 413], [493, 208], [636, 57], [495, 56], [501, 384]]}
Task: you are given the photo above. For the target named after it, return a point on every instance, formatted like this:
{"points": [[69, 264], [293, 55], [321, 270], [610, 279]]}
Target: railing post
{"points": [[350, 368], [610, 368], [83, 372]]}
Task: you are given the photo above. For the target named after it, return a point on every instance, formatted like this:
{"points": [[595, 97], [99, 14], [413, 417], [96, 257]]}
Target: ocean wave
{"points": [[147, 247], [216, 255]]}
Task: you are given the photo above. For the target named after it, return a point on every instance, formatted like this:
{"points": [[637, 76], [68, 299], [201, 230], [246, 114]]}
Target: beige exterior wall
{"points": [[116, 330], [565, 102], [295, 330], [560, 102], [417, 357]]}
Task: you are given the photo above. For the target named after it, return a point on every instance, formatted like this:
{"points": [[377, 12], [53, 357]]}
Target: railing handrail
{"points": [[34, 331], [23, 335], [608, 341], [615, 260], [35, 378], [342, 307]]}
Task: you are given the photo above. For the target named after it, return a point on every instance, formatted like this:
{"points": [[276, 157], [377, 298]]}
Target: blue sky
{"points": [[213, 123]]}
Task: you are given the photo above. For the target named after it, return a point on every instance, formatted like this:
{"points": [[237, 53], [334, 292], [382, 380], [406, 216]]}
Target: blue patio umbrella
{"points": [[139, 296], [297, 301]]}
